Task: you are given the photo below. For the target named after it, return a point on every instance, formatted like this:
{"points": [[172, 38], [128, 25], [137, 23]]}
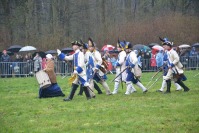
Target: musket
{"points": [[196, 75], [154, 76], [119, 74], [95, 72], [63, 77], [159, 70], [92, 77], [110, 72], [156, 73], [154, 82], [121, 79], [175, 73]]}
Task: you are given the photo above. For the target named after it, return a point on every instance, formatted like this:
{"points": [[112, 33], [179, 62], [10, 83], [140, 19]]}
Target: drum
{"points": [[43, 79]]}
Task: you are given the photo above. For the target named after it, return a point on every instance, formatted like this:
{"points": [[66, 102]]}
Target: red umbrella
{"points": [[156, 48], [107, 47]]}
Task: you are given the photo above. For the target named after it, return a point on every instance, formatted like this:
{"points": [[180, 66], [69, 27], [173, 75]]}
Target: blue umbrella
{"points": [[113, 51]]}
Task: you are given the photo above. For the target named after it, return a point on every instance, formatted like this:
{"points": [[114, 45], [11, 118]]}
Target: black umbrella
{"points": [[41, 53], [152, 44], [195, 45], [66, 50], [10, 53], [14, 48], [51, 52]]}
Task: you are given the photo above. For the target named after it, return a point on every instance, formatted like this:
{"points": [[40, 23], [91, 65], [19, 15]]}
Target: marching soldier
{"points": [[175, 70], [161, 60], [131, 63], [98, 70], [87, 54], [79, 74], [120, 66]]}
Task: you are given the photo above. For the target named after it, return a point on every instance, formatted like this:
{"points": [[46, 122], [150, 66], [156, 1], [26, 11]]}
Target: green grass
{"points": [[22, 111]]}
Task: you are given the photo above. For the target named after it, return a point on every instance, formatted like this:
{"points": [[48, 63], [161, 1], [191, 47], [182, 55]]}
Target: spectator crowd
{"points": [[30, 63]]}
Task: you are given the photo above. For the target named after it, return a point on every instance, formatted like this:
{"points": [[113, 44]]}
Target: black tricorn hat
{"points": [[121, 44], [90, 42], [85, 45], [76, 43], [165, 41], [129, 45]]}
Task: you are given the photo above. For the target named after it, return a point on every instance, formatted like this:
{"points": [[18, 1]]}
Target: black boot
{"points": [[73, 89], [97, 88], [168, 86], [86, 92], [81, 90], [186, 89]]}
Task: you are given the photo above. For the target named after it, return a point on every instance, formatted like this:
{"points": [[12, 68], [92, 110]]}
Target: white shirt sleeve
{"points": [[70, 57], [122, 57], [175, 57], [98, 58], [133, 58], [81, 62]]}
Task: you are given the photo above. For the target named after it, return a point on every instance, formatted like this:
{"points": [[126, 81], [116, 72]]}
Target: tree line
{"points": [[51, 24]]}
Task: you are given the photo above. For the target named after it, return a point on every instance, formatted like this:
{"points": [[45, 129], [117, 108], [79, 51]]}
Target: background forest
{"points": [[51, 24]]}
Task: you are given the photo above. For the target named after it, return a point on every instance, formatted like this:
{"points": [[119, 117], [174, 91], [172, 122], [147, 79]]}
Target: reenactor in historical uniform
{"points": [[175, 70], [79, 73], [161, 61], [120, 66], [87, 54], [131, 63], [98, 70]]}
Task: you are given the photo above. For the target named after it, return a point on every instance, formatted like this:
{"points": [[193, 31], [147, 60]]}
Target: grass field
{"points": [[22, 111]]}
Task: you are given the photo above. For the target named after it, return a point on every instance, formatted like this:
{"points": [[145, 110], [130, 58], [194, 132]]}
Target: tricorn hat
{"points": [[128, 45], [90, 42], [84, 45], [165, 41], [121, 44], [76, 43]]}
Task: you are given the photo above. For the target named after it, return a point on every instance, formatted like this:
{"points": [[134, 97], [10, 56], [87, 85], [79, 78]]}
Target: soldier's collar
{"points": [[76, 51]]}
